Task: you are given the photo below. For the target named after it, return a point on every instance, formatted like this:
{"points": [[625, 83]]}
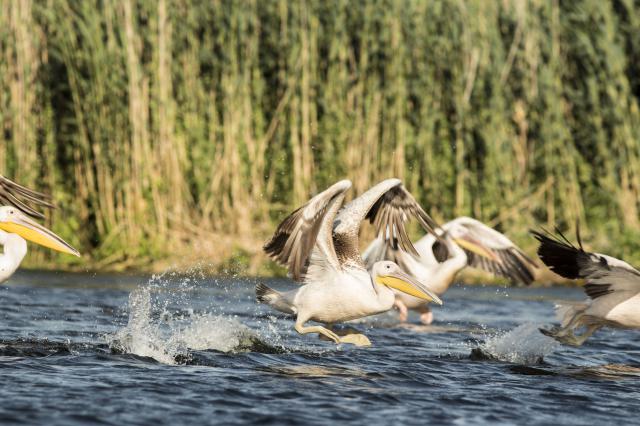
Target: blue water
{"points": [[107, 349]]}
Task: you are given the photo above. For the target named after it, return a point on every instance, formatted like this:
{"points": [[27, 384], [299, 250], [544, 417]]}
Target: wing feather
{"points": [[509, 260], [296, 237], [604, 274], [388, 206], [19, 196]]}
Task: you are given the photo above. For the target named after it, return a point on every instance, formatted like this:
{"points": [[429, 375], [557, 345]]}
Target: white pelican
{"points": [[319, 245], [612, 285], [15, 229], [455, 245]]}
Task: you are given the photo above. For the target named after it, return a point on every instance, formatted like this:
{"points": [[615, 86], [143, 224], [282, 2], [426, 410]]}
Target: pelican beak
{"points": [[409, 285], [475, 248], [32, 231]]}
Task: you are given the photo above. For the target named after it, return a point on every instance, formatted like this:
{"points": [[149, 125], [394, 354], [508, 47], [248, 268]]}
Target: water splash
{"points": [[522, 345], [163, 324]]}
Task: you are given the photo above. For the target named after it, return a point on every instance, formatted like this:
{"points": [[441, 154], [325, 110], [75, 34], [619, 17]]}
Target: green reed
{"points": [[171, 131]]}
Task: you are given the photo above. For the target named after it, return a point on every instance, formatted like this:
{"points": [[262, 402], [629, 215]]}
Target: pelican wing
{"points": [[307, 228], [18, 196], [506, 259], [605, 275], [388, 206], [379, 249]]}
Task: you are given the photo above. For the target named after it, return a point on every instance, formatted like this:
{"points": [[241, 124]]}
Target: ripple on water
{"points": [[189, 350]]}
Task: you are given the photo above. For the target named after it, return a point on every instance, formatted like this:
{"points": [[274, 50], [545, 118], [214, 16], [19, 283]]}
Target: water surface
{"points": [[112, 349]]}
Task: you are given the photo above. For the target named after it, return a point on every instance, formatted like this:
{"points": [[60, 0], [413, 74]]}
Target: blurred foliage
{"points": [[180, 130]]}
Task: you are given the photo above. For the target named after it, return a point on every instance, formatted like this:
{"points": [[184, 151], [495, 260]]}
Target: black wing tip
{"points": [[559, 254]]}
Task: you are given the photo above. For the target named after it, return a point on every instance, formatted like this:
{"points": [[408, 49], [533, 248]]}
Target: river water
{"points": [[189, 349]]}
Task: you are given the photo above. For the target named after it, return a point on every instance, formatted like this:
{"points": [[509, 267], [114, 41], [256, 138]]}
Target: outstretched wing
{"points": [[308, 227], [388, 206], [604, 274], [19, 196], [498, 254]]}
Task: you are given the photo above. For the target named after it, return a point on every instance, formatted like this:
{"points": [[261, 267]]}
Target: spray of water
{"points": [[522, 345], [163, 324]]}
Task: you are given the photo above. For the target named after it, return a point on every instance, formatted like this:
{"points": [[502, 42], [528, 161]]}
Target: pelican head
{"points": [[389, 274], [14, 221], [461, 236]]}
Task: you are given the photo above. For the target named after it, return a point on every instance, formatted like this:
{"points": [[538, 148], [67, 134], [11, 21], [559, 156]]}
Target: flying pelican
{"points": [[612, 285], [319, 246], [16, 228], [455, 245]]}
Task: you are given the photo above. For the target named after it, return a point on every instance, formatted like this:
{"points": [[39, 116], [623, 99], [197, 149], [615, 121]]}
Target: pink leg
{"points": [[402, 309], [426, 316]]}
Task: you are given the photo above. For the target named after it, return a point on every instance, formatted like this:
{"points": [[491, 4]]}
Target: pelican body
{"points": [[443, 254], [613, 287], [319, 245]]}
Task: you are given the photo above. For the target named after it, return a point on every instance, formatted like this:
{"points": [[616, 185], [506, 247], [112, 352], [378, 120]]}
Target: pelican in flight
{"points": [[16, 228], [318, 243], [442, 254], [613, 287]]}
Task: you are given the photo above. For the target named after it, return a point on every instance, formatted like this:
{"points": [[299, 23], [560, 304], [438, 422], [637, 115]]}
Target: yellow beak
{"points": [[475, 248], [32, 231], [406, 284]]}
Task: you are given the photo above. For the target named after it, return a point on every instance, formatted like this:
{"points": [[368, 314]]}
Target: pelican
{"points": [[16, 228], [612, 285], [318, 243], [441, 255]]}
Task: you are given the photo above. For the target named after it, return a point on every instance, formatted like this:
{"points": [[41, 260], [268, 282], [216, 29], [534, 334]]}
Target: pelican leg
{"points": [[300, 328], [566, 334], [562, 335], [402, 309], [426, 316]]}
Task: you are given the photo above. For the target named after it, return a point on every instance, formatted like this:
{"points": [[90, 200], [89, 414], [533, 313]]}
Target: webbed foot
{"points": [[356, 339]]}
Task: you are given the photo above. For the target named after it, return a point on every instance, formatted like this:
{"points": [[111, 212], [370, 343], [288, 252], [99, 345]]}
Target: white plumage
{"points": [[318, 243]]}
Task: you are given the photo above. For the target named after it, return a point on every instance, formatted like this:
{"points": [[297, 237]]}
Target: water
{"points": [[105, 349]]}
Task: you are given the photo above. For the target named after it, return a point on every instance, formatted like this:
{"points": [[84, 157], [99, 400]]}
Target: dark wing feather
{"points": [[389, 214], [295, 238], [18, 196], [511, 263], [604, 274]]}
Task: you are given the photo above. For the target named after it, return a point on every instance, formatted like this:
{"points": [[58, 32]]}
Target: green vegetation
{"points": [[173, 132]]}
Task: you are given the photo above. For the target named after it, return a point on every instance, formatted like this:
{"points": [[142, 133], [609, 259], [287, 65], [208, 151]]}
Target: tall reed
{"points": [[172, 130]]}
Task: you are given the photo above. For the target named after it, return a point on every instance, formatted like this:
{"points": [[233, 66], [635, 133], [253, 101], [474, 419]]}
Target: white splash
{"points": [[163, 326], [522, 345]]}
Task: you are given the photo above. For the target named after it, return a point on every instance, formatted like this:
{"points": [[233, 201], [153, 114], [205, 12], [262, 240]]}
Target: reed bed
{"points": [[172, 131]]}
